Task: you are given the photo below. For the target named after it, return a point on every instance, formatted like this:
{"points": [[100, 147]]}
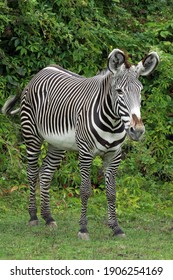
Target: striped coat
{"points": [[88, 115]]}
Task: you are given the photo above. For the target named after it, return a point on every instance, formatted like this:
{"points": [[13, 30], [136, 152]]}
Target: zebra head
{"points": [[126, 89]]}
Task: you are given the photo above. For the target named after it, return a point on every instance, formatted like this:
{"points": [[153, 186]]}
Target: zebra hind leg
{"points": [[50, 164], [32, 172]]}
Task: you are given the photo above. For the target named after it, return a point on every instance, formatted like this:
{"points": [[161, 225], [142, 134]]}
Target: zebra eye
{"points": [[120, 92]]}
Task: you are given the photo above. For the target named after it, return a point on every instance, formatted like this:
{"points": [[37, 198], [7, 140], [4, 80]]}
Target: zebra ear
{"points": [[148, 64], [115, 59]]}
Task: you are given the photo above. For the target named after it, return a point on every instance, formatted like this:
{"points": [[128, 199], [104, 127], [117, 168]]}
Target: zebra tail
{"points": [[9, 104]]}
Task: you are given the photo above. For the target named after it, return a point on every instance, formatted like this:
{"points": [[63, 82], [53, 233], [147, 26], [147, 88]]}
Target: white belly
{"points": [[64, 141]]}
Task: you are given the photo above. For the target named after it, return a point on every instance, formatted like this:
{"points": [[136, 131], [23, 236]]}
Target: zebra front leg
{"points": [[50, 164], [110, 172], [85, 190]]}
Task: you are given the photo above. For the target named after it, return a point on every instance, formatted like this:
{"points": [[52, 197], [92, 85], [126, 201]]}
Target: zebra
{"points": [[89, 115]]}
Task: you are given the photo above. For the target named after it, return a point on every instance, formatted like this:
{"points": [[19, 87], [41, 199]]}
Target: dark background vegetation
{"points": [[79, 35]]}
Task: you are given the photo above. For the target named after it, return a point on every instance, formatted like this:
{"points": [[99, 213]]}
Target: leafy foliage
{"points": [[78, 35]]}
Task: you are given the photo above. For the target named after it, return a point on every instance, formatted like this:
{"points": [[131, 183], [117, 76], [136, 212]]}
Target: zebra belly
{"points": [[65, 141]]}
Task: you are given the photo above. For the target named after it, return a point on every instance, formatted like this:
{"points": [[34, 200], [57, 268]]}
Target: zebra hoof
{"points": [[83, 235], [52, 224], [33, 223], [119, 233]]}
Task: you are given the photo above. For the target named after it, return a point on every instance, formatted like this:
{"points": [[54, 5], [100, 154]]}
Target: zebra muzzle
{"points": [[136, 129]]}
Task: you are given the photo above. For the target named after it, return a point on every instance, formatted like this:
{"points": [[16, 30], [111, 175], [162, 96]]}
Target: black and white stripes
{"points": [[88, 115]]}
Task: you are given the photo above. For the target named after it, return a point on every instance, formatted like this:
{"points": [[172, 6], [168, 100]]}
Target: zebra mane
{"points": [[126, 62], [65, 70], [102, 72]]}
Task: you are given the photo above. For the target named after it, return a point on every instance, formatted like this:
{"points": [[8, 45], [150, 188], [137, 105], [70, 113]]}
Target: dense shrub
{"points": [[78, 35]]}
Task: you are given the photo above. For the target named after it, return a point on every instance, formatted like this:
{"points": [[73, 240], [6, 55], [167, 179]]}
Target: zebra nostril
{"points": [[132, 130], [135, 133]]}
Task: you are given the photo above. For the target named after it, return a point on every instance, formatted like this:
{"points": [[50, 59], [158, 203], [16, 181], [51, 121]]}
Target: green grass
{"points": [[148, 236]]}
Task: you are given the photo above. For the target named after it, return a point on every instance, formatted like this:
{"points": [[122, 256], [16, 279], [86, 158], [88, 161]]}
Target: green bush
{"points": [[78, 35]]}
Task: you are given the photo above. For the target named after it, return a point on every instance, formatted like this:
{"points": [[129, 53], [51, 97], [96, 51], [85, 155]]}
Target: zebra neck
{"points": [[104, 111]]}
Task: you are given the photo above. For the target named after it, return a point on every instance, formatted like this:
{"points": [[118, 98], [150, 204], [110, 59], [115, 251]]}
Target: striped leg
{"points": [[110, 172], [50, 164], [33, 151], [85, 190]]}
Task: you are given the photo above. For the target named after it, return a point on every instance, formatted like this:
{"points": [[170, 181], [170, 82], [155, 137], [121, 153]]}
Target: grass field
{"points": [[148, 236]]}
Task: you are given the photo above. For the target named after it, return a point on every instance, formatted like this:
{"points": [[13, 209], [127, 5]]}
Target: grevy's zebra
{"points": [[88, 115]]}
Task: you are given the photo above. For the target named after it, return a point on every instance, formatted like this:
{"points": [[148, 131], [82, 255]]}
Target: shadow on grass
{"points": [[147, 237]]}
